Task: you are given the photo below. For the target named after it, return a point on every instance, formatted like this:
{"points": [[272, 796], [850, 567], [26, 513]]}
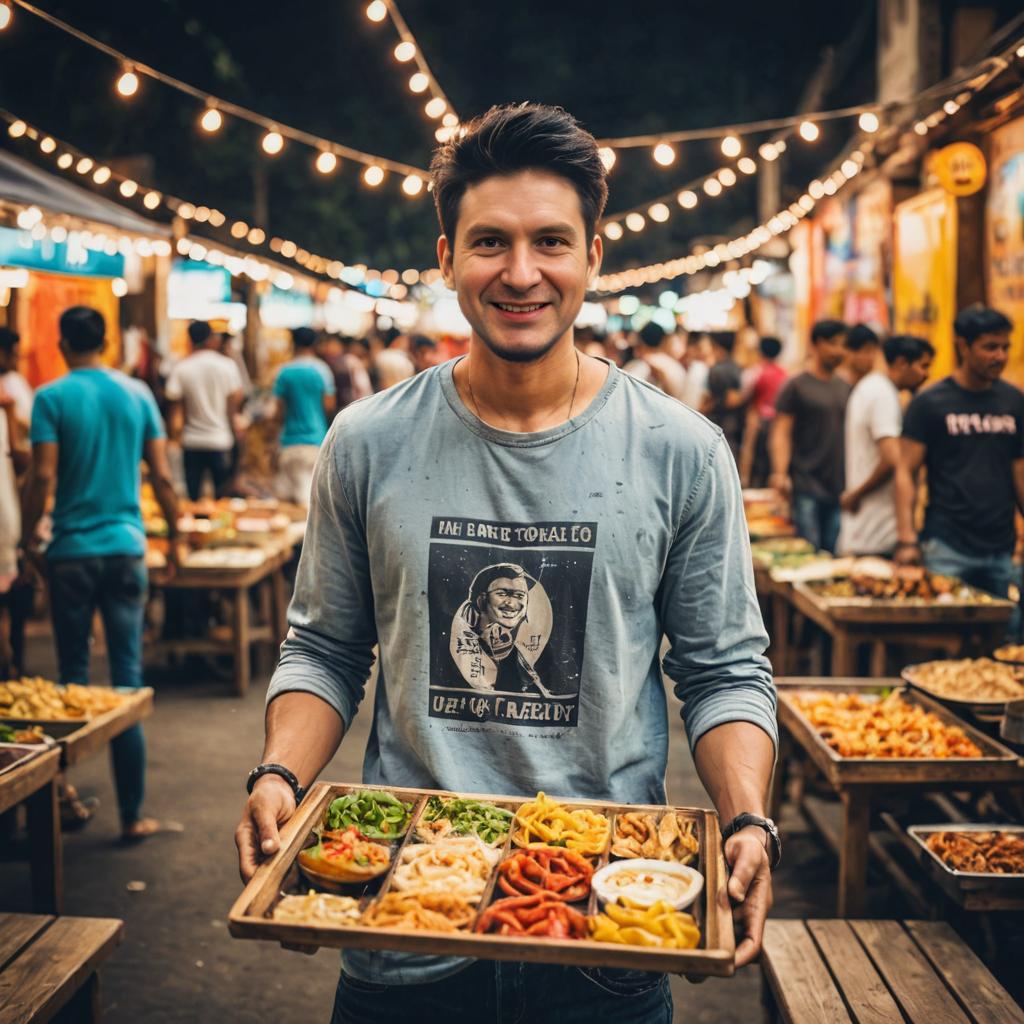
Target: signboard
{"points": [[1004, 236], [20, 249], [924, 273], [960, 168]]}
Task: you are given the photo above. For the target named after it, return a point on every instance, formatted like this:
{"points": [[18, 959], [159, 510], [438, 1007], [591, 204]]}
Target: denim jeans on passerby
{"points": [[496, 992], [817, 520], [116, 585]]}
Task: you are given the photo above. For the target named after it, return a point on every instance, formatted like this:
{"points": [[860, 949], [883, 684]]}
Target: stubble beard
{"points": [[519, 355]]}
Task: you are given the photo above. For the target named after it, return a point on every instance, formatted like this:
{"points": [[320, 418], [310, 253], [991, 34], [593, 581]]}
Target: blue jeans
{"points": [[116, 585], [817, 520], [499, 992]]}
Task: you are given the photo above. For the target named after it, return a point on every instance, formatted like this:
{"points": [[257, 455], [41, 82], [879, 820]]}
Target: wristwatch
{"points": [[774, 841], [269, 768]]}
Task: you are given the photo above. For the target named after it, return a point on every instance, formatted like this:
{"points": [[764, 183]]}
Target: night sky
{"points": [[322, 66]]}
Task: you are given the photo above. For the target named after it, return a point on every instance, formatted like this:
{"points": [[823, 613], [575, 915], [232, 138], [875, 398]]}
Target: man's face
{"points": [[831, 351], [910, 376], [987, 356], [520, 262], [425, 356], [9, 360], [504, 608], [862, 362]]}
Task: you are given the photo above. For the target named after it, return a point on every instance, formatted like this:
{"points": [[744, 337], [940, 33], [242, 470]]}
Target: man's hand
{"points": [[31, 567], [749, 888], [269, 806], [782, 483], [907, 553], [849, 501]]}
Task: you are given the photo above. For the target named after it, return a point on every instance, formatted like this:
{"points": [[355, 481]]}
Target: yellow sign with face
{"points": [[960, 168]]}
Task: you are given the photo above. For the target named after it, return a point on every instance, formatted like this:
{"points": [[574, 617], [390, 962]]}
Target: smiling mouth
{"points": [[518, 307]]}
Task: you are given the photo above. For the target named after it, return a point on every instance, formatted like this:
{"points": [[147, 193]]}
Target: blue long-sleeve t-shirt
{"points": [[518, 587]]}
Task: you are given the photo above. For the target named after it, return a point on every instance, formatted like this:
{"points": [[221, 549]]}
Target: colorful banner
{"points": [[20, 249], [867, 301], [40, 305], [1004, 235], [924, 273]]}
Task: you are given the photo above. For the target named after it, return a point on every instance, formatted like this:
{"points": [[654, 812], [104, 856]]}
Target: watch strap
{"points": [[774, 841], [272, 768]]}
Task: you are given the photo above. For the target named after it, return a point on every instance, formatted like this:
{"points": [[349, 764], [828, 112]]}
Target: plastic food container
{"points": [[644, 882]]}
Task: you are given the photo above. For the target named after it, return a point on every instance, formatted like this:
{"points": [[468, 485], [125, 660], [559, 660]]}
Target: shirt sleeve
{"points": [[709, 610], [788, 401], [917, 420], [154, 424], [45, 420], [173, 389], [329, 648], [328, 378], [884, 418], [280, 388], [234, 377]]}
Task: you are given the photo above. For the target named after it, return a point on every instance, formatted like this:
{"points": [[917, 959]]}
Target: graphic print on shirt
{"points": [[508, 609]]}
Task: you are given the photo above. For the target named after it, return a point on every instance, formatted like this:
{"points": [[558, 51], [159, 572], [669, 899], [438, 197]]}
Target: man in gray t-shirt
{"points": [[516, 531]]}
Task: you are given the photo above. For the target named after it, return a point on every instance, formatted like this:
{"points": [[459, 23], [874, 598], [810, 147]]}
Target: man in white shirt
{"points": [[698, 359], [874, 422], [14, 384], [206, 394]]}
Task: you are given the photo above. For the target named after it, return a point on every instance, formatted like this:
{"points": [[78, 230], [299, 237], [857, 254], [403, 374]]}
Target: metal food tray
{"points": [[909, 674], [958, 884], [17, 754]]}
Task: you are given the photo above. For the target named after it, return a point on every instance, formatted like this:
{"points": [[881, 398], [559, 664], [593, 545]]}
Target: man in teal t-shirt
{"points": [[304, 389], [90, 429]]}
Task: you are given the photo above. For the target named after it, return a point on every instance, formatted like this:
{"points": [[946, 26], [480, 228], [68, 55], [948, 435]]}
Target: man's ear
{"points": [[445, 262]]}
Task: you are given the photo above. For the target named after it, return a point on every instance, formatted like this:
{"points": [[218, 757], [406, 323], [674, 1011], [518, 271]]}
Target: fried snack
{"points": [[437, 912], [540, 916], [997, 853], [459, 866], [317, 908], [548, 823], [31, 735], [39, 698], [854, 725], [905, 583], [551, 871], [1010, 652], [971, 679], [640, 834], [658, 925]]}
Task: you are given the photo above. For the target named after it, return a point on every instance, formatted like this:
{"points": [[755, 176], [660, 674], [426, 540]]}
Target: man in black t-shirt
{"points": [[968, 431], [724, 401]]}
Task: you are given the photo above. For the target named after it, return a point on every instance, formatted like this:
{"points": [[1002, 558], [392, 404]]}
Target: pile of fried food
{"points": [[903, 583], [862, 725], [640, 834], [453, 873], [31, 735], [1010, 652], [967, 679], [39, 698], [995, 852]]}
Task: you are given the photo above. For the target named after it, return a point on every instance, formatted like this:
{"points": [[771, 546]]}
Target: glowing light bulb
{"points": [[951, 107], [868, 122], [731, 146], [128, 189], [809, 131], [373, 175], [119, 286], [435, 107], [767, 151], [635, 222], [326, 162], [412, 185], [727, 176], [450, 120], [404, 52], [687, 199], [664, 154], [713, 187], [84, 166], [816, 189], [659, 212], [377, 11], [128, 83], [64, 161], [17, 129], [47, 145], [101, 175], [256, 236], [613, 230], [6, 14], [239, 229], [152, 200], [746, 165], [419, 82], [273, 143], [608, 157], [211, 120]]}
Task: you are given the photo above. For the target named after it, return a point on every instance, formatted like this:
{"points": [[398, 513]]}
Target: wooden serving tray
{"points": [[912, 676], [79, 738], [906, 611], [250, 916], [997, 763]]}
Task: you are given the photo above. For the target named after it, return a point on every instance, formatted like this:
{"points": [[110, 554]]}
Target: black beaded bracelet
{"points": [[275, 769]]}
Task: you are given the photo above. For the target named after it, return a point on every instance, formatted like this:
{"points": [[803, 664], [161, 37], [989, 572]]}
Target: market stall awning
{"points": [[21, 182]]}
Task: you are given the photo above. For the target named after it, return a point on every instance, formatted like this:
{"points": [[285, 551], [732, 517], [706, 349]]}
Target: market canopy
{"points": [[22, 183]]}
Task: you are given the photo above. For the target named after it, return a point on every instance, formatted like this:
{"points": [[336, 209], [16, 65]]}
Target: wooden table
{"points": [[48, 964], [35, 784], [267, 579], [858, 782], [878, 972], [851, 622]]}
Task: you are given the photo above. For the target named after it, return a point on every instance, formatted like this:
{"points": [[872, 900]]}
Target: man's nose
{"points": [[521, 272]]}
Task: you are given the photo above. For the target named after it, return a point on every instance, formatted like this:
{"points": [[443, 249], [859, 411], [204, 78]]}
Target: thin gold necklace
{"points": [[572, 400]]}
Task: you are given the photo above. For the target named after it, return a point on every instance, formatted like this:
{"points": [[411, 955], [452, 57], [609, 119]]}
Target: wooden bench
{"points": [[878, 972], [49, 964]]}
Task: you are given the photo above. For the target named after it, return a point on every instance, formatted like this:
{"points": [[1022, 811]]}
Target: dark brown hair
{"points": [[519, 137]]}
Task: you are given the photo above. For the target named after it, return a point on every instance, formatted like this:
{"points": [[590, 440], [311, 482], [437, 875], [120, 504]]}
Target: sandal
{"points": [[141, 829], [76, 811]]}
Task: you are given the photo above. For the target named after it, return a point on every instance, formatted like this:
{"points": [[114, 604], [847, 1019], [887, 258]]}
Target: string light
{"points": [[613, 230], [326, 162], [727, 176], [152, 200], [405, 51], [412, 185], [767, 151], [64, 161], [746, 165], [84, 166], [687, 199], [211, 120], [809, 131], [608, 157], [101, 175], [435, 107], [47, 145], [419, 82], [19, 128], [128, 83], [713, 187], [951, 107], [659, 212], [373, 176], [273, 143], [868, 122], [635, 222], [6, 14], [731, 146], [664, 154], [377, 11]]}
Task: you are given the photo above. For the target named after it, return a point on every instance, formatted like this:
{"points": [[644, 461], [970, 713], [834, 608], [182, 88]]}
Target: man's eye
{"points": [[489, 243], [552, 242]]}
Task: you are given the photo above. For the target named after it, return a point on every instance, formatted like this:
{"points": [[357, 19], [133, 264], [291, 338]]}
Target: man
{"points": [[967, 430], [874, 421], [205, 390], [351, 381], [665, 372], [620, 501], [90, 428], [807, 438], [768, 378], [862, 348], [425, 352], [304, 389], [697, 357], [723, 400], [14, 384]]}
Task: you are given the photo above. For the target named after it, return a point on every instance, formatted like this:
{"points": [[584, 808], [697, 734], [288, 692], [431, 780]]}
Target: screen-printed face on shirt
{"points": [[503, 610], [520, 262]]}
